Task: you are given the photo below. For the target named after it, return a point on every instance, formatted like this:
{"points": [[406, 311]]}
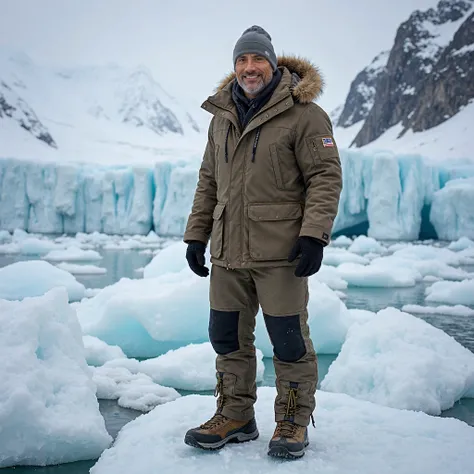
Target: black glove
{"points": [[311, 251], [195, 257]]}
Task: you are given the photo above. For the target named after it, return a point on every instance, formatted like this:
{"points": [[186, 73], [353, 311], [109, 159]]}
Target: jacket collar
{"points": [[301, 79]]}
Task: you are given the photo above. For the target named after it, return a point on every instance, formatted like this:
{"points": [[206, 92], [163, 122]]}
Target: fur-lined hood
{"points": [[307, 83]]}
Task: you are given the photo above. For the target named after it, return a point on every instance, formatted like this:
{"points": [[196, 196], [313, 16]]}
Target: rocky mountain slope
{"points": [[425, 79], [13, 107]]}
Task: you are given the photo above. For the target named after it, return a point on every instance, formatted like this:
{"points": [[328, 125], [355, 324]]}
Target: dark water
{"points": [[124, 263], [460, 328], [119, 264]]}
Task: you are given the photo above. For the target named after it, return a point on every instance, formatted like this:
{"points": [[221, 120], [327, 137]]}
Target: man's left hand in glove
{"points": [[311, 251]]}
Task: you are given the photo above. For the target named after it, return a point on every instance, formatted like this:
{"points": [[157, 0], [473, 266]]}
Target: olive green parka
{"points": [[279, 178]]}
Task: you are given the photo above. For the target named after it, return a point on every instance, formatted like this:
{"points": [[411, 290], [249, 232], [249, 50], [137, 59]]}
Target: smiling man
{"points": [[267, 196]]}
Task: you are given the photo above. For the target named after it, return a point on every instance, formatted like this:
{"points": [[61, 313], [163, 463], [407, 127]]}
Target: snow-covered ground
{"points": [[351, 436]]}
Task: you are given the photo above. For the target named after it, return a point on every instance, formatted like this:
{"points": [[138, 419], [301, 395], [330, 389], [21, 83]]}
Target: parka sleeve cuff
{"points": [[323, 235], [188, 236]]}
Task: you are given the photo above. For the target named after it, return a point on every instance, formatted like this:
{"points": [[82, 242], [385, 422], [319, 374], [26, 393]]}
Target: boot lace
{"points": [[291, 405], [286, 429], [219, 392], [214, 422]]}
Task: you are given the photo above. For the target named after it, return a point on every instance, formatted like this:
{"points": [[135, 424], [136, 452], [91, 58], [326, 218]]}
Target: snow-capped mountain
{"points": [[362, 92], [88, 113], [14, 107], [426, 78]]}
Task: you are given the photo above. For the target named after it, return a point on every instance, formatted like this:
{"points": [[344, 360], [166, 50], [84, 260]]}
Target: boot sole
{"points": [[233, 438], [282, 452]]}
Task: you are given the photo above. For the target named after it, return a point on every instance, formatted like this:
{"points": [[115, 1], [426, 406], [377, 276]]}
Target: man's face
{"points": [[253, 72]]}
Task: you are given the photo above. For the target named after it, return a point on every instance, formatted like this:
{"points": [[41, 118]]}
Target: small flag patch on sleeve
{"points": [[327, 142]]}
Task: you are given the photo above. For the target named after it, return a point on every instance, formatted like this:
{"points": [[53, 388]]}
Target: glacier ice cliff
{"points": [[396, 196]]}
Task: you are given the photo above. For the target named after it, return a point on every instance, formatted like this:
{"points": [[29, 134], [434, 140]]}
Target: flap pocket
{"points": [[275, 212], [218, 211]]}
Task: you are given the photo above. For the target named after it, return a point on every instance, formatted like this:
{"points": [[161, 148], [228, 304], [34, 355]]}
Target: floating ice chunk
{"points": [[188, 368], [151, 238], [35, 246], [5, 237], [461, 292], [352, 436], [34, 278], [363, 245], [81, 269], [462, 244], [401, 361], [171, 259], [96, 238], [451, 210], [467, 256], [331, 277], [441, 270], [341, 241], [72, 254], [136, 391], [457, 310], [19, 235], [8, 249], [336, 256], [360, 316], [48, 409], [378, 276], [398, 246], [135, 242], [90, 292], [431, 279], [99, 352], [148, 317], [426, 252], [423, 267], [130, 244], [146, 252]]}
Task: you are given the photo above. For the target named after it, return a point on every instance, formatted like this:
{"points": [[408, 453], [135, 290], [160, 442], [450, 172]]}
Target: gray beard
{"points": [[253, 91]]}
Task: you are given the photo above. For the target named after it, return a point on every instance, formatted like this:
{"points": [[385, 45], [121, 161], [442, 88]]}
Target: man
{"points": [[267, 196]]}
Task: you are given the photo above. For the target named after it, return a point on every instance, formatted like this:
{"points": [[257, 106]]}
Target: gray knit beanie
{"points": [[255, 40]]}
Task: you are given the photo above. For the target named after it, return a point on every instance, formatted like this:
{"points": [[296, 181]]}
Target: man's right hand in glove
{"points": [[195, 257]]}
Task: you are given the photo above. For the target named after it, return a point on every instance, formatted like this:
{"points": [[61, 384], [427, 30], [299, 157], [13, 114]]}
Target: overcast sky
{"points": [[188, 44]]}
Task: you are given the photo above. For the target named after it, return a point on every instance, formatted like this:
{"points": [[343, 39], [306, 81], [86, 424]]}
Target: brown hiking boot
{"points": [[220, 430], [289, 440]]}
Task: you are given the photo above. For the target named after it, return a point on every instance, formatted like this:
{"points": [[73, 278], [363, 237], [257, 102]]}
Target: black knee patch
{"points": [[224, 331], [286, 337]]}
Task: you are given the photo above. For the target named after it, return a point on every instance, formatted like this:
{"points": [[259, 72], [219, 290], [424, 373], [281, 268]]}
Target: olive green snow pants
{"points": [[235, 296]]}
